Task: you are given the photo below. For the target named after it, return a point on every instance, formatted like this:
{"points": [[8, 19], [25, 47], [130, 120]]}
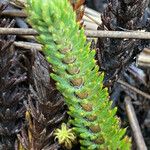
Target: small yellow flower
{"points": [[65, 136]]}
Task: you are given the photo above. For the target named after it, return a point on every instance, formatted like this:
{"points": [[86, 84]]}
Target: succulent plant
{"points": [[76, 75]]}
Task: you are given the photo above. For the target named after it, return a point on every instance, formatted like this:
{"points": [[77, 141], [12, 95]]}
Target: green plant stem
{"points": [[76, 75]]}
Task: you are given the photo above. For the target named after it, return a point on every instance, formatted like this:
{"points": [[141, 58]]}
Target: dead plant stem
{"points": [[134, 124], [134, 89]]}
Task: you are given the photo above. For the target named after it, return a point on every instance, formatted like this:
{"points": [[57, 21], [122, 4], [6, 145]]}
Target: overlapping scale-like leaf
{"points": [[76, 75]]}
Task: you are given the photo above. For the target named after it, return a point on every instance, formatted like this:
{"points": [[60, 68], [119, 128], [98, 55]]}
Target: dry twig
{"points": [[17, 31], [28, 45], [134, 125], [118, 34], [89, 33], [14, 13], [134, 89]]}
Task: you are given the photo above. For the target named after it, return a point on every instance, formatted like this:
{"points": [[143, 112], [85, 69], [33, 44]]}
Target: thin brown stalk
{"points": [[134, 125], [28, 37], [28, 45], [14, 13], [89, 33], [118, 34], [134, 89], [17, 31]]}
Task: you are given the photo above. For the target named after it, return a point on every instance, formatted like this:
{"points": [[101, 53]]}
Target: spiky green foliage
{"points": [[77, 75]]}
